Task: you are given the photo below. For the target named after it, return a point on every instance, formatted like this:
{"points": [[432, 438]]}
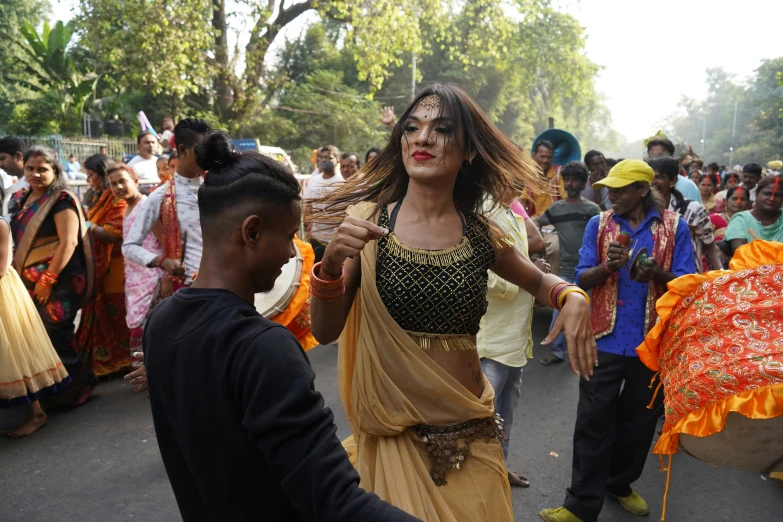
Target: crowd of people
{"points": [[429, 260]]}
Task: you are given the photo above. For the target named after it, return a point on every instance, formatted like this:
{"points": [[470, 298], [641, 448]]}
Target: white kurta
{"points": [[505, 334], [187, 217]]}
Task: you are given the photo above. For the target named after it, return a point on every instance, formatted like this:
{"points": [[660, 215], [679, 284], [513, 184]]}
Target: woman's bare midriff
{"points": [[463, 365]]}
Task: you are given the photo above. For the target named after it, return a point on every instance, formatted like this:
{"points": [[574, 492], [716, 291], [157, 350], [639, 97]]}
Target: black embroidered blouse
{"points": [[441, 292]]}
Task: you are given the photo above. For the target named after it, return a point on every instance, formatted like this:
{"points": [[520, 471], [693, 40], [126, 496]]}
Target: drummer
{"points": [[614, 428]]}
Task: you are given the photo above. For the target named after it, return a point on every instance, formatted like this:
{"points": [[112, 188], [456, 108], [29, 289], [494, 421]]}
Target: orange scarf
{"points": [[108, 212], [172, 241]]}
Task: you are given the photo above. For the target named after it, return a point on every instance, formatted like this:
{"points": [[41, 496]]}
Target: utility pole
{"points": [[703, 134], [413, 75], [733, 133]]}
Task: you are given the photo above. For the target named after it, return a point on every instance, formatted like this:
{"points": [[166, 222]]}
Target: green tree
{"points": [[155, 46], [181, 46], [49, 70], [765, 97], [12, 15], [315, 104], [534, 69], [738, 123]]}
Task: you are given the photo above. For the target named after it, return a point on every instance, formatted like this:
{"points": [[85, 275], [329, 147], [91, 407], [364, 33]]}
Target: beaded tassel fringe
{"points": [[461, 252], [443, 343]]}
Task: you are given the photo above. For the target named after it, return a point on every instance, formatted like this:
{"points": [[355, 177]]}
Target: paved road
{"points": [[101, 463]]}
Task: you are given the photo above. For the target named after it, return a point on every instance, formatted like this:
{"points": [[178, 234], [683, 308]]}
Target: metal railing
{"points": [[80, 186], [82, 147]]}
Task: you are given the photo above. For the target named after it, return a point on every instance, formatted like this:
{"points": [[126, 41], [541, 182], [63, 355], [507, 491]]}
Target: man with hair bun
{"points": [[242, 431], [175, 207]]}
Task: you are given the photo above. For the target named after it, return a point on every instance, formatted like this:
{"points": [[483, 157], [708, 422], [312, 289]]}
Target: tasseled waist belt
{"points": [[442, 442], [442, 342]]}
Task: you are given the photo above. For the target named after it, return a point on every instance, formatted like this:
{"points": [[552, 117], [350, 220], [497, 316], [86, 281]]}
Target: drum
{"points": [[719, 349], [289, 301], [276, 301]]}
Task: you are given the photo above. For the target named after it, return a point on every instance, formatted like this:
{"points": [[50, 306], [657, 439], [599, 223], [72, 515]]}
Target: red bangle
{"points": [[555, 291], [48, 278], [326, 291], [606, 267]]}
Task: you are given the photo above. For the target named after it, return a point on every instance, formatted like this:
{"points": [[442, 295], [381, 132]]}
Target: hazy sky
{"points": [[643, 87], [653, 53]]}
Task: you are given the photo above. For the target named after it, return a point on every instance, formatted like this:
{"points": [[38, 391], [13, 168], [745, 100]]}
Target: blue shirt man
{"points": [[614, 427], [629, 331]]}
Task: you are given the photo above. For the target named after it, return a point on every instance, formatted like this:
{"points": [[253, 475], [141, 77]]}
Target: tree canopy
{"points": [[523, 61], [755, 134]]}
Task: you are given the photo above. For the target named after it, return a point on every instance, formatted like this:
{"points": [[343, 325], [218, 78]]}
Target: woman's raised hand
{"points": [[349, 240], [574, 321]]}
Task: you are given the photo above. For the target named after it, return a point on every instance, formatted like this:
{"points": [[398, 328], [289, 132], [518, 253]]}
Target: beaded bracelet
{"points": [[606, 267], [326, 291], [48, 278], [571, 289]]}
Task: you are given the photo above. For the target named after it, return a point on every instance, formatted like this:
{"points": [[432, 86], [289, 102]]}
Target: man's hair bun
{"points": [[215, 152]]}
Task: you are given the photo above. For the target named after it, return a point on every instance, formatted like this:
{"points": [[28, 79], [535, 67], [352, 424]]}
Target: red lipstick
{"points": [[421, 155]]}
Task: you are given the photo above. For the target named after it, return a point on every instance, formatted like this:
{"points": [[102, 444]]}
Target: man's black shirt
{"points": [[242, 431]]}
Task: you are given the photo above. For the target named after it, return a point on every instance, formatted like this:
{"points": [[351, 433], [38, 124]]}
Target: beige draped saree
{"points": [[387, 384]]}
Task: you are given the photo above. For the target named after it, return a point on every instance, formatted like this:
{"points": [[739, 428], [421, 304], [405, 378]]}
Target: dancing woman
{"points": [[54, 258], [405, 282]]}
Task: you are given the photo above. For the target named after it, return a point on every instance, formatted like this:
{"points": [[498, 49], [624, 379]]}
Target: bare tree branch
{"points": [[263, 34]]}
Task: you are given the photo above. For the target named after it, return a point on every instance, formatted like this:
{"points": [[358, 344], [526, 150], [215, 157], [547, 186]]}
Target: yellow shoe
{"points": [[560, 514], [633, 503]]}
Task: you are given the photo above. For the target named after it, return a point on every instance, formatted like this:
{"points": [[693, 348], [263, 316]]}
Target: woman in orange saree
{"points": [[404, 280], [103, 333]]}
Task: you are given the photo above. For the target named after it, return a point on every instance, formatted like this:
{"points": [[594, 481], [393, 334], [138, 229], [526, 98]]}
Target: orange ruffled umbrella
{"points": [[719, 349]]}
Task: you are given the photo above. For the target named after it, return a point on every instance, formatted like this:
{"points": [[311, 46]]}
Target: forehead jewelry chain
{"points": [[430, 102]]}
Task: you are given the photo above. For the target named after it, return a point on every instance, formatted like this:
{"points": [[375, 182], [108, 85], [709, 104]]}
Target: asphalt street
{"points": [[100, 462]]}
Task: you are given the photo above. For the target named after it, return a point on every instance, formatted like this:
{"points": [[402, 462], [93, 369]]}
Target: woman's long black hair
{"points": [[499, 168], [99, 163]]}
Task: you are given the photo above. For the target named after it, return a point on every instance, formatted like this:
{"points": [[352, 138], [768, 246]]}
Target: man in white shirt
{"points": [[317, 187], [504, 341], [187, 181], [144, 163], [12, 162], [751, 175]]}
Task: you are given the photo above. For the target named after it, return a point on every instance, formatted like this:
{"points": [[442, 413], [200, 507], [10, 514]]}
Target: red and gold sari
{"points": [[103, 333]]}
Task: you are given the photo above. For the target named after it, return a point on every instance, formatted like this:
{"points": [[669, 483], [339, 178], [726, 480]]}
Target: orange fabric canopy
{"points": [[719, 345]]}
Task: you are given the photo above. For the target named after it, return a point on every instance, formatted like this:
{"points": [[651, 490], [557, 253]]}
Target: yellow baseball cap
{"points": [[625, 173]]}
